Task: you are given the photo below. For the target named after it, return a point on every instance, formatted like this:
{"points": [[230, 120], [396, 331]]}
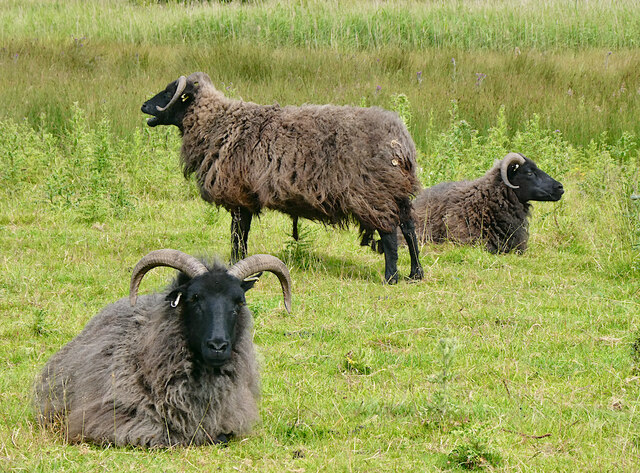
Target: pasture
{"points": [[498, 363]]}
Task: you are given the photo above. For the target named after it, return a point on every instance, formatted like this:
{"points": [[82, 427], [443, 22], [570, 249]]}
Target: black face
{"points": [[211, 305], [174, 114], [533, 183]]}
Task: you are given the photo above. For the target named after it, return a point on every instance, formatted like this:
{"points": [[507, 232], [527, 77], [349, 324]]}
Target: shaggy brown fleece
{"points": [[482, 211], [326, 163]]}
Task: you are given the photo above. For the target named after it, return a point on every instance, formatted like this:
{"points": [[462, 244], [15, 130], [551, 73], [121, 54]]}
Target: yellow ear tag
{"points": [[184, 97]]}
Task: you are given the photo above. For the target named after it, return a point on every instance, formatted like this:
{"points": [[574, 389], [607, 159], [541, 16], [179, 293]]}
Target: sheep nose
{"points": [[217, 345]]}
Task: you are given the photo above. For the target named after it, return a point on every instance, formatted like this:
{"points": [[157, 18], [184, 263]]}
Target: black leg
{"points": [[368, 239], [389, 242], [222, 439], [295, 229], [240, 226], [409, 232]]}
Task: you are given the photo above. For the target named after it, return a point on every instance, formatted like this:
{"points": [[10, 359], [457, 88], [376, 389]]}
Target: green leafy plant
{"points": [[300, 253], [86, 181], [442, 400], [401, 105], [473, 455], [356, 362]]}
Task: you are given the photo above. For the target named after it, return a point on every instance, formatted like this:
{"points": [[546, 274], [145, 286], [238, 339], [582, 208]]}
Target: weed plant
{"points": [[472, 456]]}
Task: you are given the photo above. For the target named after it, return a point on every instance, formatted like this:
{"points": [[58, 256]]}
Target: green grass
{"points": [[544, 376]]}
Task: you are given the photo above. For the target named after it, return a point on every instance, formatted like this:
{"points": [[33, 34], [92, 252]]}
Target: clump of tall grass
{"points": [[300, 253]]}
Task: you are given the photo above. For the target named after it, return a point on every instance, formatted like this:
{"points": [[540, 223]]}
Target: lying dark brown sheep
{"points": [[492, 210]]}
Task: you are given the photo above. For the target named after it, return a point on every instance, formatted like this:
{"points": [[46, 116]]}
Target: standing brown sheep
{"points": [[332, 164]]}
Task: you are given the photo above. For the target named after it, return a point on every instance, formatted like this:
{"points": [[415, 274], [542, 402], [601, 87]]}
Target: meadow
{"points": [[498, 363]]}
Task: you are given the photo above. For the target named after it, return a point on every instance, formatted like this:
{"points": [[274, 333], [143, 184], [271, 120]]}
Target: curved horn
{"points": [[257, 263], [507, 161], [182, 83], [189, 265]]}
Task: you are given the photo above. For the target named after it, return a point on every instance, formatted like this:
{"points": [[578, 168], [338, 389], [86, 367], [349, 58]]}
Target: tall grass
{"points": [[579, 93], [572, 63], [467, 25]]}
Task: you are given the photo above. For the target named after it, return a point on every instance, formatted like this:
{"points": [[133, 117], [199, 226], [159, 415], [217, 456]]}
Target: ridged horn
{"points": [[182, 83], [175, 259], [507, 161], [257, 263]]}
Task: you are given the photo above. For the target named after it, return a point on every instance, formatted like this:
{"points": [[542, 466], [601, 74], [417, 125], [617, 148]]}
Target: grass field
{"points": [[495, 363]]}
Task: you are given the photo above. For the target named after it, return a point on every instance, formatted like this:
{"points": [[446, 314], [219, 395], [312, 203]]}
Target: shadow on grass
{"points": [[338, 267]]}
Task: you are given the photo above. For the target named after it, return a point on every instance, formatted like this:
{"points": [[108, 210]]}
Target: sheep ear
{"points": [[174, 297], [250, 281]]}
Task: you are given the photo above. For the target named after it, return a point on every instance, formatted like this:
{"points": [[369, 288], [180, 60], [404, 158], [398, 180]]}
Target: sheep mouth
{"points": [[556, 195], [148, 109], [216, 360], [546, 195]]}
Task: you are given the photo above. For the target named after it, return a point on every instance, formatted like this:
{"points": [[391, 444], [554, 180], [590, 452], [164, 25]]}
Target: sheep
{"points": [[333, 164], [492, 210], [177, 368]]}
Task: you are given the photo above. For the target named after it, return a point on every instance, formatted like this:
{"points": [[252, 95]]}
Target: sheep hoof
{"points": [[222, 439], [417, 276], [392, 280]]}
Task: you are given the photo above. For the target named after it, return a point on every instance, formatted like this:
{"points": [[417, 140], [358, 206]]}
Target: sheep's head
{"points": [[169, 106], [527, 180], [211, 302]]}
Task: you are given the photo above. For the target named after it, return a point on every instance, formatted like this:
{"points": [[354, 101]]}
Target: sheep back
{"points": [[481, 211], [128, 379], [321, 162]]}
